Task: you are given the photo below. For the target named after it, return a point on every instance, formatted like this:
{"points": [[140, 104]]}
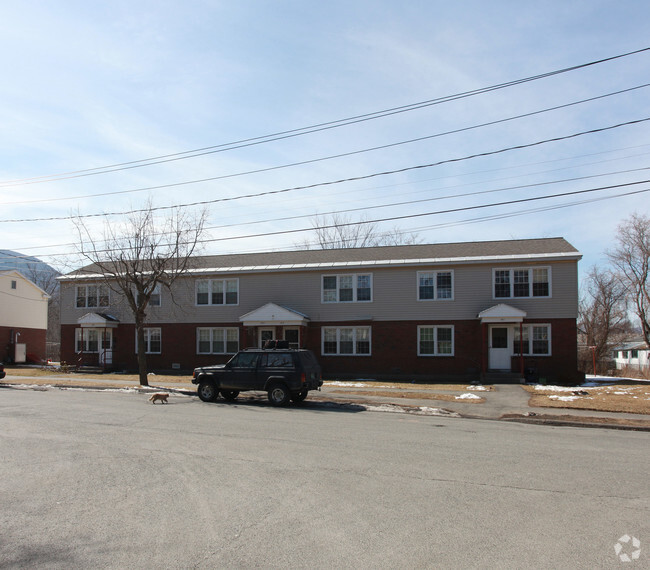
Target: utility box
{"points": [[20, 353]]}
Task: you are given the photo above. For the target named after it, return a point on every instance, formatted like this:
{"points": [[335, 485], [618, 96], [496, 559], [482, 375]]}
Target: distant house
{"points": [[633, 354], [437, 311], [23, 318]]}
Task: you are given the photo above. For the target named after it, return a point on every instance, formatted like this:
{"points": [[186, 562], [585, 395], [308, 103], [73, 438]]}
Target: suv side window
{"points": [[277, 360], [244, 360]]}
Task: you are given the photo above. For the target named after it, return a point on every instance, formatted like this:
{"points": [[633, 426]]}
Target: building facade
{"points": [[437, 312], [632, 355], [23, 319]]}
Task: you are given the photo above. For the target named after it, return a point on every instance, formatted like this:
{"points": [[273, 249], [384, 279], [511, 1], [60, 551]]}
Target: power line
{"points": [[332, 157], [303, 130], [401, 203], [340, 181], [430, 213], [440, 212]]}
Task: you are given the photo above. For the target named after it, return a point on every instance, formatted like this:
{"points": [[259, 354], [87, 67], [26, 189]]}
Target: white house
{"points": [[23, 318], [634, 354]]}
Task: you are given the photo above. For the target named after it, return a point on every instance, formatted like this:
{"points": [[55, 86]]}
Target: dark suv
{"points": [[285, 374]]}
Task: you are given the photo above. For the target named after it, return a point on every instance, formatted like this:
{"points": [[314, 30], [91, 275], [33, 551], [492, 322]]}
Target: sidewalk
{"points": [[507, 402]]}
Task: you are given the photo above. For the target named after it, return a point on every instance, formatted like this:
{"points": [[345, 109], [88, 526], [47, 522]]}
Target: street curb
{"points": [[408, 409]]}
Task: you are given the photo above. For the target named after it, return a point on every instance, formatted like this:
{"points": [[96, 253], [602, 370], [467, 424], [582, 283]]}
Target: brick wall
{"points": [[33, 338], [393, 348]]}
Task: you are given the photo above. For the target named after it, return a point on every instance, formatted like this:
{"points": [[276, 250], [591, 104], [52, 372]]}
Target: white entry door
{"points": [[500, 347], [265, 334]]}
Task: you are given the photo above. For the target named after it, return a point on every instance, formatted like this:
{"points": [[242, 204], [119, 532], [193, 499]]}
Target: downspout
{"points": [[521, 348]]}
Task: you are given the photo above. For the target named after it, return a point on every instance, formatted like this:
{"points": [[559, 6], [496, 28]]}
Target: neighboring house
{"points": [[23, 318], [439, 311], [633, 354]]}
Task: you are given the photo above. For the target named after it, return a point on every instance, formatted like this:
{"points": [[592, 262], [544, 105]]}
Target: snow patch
{"points": [[468, 397], [420, 411]]}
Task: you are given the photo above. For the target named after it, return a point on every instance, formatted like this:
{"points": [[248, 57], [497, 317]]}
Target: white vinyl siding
{"points": [[346, 341], [436, 340], [217, 340]]}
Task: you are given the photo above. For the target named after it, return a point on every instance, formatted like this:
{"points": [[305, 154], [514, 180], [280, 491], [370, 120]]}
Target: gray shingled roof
{"points": [[400, 254]]}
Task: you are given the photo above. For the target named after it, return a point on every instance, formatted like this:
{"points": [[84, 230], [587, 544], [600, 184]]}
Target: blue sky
{"points": [[86, 85]]}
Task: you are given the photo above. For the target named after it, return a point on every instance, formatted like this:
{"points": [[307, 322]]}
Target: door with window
{"points": [[264, 334], [500, 347]]}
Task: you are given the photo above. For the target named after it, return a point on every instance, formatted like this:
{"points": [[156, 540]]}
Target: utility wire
{"points": [[305, 130], [424, 214], [393, 204], [335, 156], [340, 181], [436, 226]]}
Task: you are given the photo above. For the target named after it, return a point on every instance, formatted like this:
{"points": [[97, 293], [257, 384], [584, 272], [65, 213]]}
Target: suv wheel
{"points": [[279, 395], [207, 391], [298, 397], [230, 395]]}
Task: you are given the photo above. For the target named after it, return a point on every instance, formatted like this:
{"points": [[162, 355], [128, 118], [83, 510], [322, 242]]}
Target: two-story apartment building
{"points": [[419, 311]]}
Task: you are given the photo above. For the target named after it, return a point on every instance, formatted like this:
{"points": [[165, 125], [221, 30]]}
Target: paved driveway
{"points": [[108, 480]]}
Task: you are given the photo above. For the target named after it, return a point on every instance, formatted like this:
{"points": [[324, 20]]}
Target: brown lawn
{"points": [[633, 399], [410, 391]]}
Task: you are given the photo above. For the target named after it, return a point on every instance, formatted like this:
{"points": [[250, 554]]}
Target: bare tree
{"points": [[46, 278], [602, 313], [143, 253], [631, 258], [339, 232]]}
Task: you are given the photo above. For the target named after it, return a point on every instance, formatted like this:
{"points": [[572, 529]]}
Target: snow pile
{"points": [[564, 398], [555, 388], [477, 388], [420, 411], [358, 384], [468, 397]]}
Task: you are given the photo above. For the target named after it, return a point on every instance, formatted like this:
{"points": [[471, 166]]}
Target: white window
{"points": [[435, 285], [13, 284], [533, 339], [93, 340], [89, 296], [217, 340], [347, 288], [524, 282], [156, 297], [436, 340], [348, 341], [217, 292], [152, 341]]}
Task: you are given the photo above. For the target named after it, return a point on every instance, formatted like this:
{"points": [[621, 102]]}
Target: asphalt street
{"points": [[108, 480]]}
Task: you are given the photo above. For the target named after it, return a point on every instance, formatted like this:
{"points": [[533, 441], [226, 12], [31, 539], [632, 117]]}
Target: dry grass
{"points": [[44, 375], [409, 391], [413, 395], [630, 399], [579, 419], [405, 386]]}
